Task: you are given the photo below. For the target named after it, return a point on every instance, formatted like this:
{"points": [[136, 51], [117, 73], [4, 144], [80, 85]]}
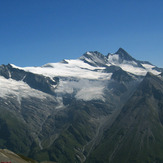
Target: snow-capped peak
{"points": [[91, 64], [122, 59], [94, 58], [87, 76], [120, 56]]}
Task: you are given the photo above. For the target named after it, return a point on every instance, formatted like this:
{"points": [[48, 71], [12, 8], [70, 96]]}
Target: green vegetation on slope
{"points": [[14, 134], [136, 135]]}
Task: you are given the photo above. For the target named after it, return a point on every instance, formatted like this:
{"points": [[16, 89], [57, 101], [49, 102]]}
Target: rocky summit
{"points": [[95, 108]]}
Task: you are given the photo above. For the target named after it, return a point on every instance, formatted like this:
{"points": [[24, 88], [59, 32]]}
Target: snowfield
{"points": [[81, 77], [19, 89], [73, 68]]}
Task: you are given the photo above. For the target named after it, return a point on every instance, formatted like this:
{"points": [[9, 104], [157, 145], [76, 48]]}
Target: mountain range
{"points": [[95, 108]]}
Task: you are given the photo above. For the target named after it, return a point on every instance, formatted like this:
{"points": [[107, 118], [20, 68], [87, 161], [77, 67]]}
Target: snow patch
{"points": [[148, 66], [133, 69], [93, 93], [113, 58], [83, 89], [18, 89], [89, 53]]}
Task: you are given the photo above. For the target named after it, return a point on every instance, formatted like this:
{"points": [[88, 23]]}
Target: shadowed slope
{"points": [[136, 135]]}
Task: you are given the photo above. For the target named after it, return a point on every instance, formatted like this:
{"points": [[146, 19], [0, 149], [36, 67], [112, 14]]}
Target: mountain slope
{"points": [[61, 111], [136, 135]]}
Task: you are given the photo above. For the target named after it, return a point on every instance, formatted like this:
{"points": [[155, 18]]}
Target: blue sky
{"points": [[36, 32]]}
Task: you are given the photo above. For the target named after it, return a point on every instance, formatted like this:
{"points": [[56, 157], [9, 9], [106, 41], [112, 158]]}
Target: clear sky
{"points": [[36, 32]]}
